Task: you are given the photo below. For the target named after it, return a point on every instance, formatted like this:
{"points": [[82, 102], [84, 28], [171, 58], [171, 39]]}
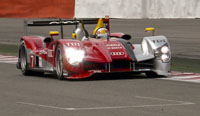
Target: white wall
{"points": [[137, 8]]}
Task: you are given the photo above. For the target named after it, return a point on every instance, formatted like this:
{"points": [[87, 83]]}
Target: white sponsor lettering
{"points": [[50, 53], [63, 22], [114, 48], [117, 53], [42, 52], [159, 41], [113, 45], [73, 44]]}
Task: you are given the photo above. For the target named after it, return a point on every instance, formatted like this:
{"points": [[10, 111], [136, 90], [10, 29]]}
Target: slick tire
{"points": [[59, 63], [23, 61]]}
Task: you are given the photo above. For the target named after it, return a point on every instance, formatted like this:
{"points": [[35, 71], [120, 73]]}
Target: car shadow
{"points": [[39, 75], [118, 76], [98, 77]]}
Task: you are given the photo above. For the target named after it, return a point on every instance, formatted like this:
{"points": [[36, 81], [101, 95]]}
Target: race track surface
{"points": [[117, 95]]}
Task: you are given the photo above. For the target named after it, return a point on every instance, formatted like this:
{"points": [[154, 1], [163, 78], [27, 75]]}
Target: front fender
{"points": [[152, 45]]}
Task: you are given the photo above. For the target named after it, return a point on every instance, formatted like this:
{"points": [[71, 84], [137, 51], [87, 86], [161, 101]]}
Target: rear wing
{"points": [[62, 23], [65, 22]]}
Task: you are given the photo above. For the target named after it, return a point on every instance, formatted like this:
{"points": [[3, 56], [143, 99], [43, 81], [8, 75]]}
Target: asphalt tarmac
{"points": [[117, 95], [183, 34]]}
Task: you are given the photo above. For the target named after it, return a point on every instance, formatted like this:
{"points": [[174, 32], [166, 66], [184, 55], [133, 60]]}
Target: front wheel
{"points": [[59, 64]]}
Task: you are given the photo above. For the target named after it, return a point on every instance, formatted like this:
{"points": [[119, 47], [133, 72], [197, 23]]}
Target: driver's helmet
{"points": [[101, 33]]}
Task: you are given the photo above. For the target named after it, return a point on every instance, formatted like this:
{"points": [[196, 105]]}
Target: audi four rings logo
{"points": [[117, 53]]}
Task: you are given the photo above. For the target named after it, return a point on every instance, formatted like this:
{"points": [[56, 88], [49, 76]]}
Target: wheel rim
{"points": [[23, 59], [59, 64]]}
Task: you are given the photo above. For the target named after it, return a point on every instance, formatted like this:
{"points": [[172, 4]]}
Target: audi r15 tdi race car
{"points": [[86, 54]]}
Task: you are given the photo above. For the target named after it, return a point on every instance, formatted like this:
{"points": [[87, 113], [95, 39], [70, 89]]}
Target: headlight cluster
{"points": [[165, 50], [165, 54], [74, 56]]}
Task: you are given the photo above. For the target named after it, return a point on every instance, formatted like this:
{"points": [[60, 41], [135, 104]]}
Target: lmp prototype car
{"points": [[84, 55]]}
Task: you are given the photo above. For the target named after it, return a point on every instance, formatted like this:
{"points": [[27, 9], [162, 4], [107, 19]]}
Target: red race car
{"points": [[84, 54]]}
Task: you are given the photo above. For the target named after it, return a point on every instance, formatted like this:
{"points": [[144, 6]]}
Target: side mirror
{"points": [[126, 37], [74, 35], [150, 29], [121, 35]]}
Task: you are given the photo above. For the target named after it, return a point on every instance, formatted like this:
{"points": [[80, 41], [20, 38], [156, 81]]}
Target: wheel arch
{"points": [[33, 42]]}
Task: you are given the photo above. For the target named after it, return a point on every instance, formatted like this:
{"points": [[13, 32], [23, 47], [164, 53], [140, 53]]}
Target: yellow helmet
{"points": [[101, 33], [100, 24]]}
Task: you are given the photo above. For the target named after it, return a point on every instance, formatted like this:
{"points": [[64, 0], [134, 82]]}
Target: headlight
{"points": [[165, 50], [165, 57], [74, 56]]}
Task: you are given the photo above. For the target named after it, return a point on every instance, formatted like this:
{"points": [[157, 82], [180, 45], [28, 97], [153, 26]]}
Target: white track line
{"points": [[104, 108], [159, 99], [8, 59], [179, 103]]}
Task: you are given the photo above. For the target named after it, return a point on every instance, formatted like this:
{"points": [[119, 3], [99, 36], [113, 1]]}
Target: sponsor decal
{"points": [[50, 53], [42, 52], [73, 44], [113, 46], [159, 41], [117, 53], [63, 22]]}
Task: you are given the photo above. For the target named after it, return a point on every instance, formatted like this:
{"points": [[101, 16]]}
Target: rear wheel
{"points": [[23, 61], [59, 63]]}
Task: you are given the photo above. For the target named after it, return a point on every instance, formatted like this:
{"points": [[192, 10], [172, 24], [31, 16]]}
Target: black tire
{"points": [[152, 74], [59, 63], [23, 61]]}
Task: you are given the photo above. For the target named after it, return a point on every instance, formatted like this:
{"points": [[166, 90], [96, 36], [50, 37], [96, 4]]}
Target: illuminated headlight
{"points": [[74, 56], [165, 50], [165, 57]]}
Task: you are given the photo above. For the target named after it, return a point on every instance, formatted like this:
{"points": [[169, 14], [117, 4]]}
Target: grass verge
{"points": [[178, 64], [8, 49], [185, 65]]}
